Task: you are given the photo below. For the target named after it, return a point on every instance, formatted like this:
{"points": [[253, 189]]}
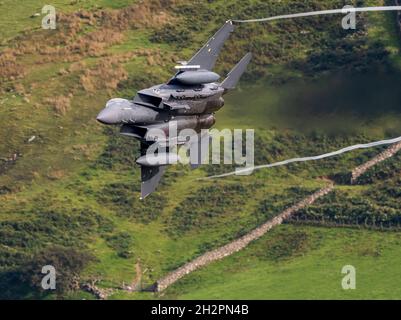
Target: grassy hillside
{"points": [[301, 263], [69, 187]]}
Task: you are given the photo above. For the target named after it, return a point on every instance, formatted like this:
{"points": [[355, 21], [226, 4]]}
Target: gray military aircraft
{"points": [[190, 99]]}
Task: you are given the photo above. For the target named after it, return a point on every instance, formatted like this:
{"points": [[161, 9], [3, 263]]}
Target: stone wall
{"points": [[238, 244], [242, 242], [388, 153], [99, 293]]}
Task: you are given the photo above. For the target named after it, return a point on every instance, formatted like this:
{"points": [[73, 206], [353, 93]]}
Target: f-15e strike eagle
{"points": [[190, 99]]}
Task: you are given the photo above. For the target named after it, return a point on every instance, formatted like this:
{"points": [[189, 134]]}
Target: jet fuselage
{"points": [[175, 101], [187, 101]]}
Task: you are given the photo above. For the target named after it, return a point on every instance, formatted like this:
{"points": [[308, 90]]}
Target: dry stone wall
{"points": [[388, 153], [242, 242], [238, 244]]}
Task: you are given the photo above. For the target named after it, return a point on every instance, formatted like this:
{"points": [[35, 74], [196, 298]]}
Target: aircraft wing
{"points": [[207, 56]]}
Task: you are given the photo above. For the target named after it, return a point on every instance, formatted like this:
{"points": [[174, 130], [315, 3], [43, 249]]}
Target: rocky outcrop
{"points": [[238, 244]]}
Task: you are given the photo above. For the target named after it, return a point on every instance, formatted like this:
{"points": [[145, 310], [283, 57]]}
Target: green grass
{"points": [[16, 18], [310, 272]]}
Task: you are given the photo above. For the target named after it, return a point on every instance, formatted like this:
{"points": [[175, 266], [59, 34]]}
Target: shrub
{"points": [[68, 263], [122, 243]]}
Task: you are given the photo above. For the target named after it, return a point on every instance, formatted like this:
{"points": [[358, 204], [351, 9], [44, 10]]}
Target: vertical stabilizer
{"points": [[235, 74]]}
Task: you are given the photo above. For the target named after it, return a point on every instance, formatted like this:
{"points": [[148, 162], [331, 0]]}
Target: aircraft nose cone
{"points": [[108, 116]]}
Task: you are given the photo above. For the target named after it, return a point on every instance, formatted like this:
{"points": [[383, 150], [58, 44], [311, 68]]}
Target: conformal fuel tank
{"points": [[197, 77]]}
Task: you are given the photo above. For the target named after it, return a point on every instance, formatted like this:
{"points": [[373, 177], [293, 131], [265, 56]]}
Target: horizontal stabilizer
{"points": [[235, 74]]}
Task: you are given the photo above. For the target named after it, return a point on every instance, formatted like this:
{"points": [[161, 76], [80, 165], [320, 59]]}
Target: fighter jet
{"points": [[189, 99]]}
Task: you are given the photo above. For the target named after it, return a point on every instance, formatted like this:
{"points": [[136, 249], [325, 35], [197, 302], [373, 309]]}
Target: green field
{"points": [[72, 193], [302, 263]]}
